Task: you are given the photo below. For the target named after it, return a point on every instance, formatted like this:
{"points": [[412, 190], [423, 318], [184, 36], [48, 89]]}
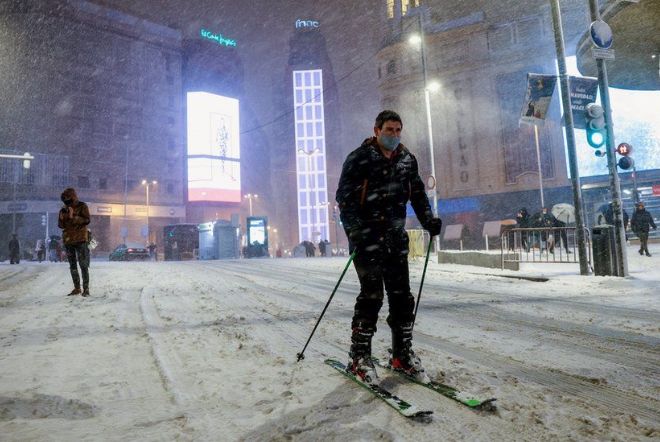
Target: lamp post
{"points": [[335, 216], [309, 154], [250, 197], [428, 88], [26, 157], [147, 184]]}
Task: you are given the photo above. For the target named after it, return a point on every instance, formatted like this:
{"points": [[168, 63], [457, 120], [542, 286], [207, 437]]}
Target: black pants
{"points": [[78, 254], [388, 268], [643, 242], [14, 258]]}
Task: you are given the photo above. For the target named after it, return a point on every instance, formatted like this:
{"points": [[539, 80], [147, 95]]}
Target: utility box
{"points": [[602, 242], [218, 240]]}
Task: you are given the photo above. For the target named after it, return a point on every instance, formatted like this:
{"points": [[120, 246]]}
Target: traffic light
{"points": [[626, 161], [43, 220], [595, 125]]}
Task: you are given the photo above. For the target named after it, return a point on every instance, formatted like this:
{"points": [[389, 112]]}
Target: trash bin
{"points": [[602, 242]]}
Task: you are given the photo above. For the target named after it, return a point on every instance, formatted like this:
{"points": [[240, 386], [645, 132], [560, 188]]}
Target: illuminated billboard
{"points": [[214, 154]]}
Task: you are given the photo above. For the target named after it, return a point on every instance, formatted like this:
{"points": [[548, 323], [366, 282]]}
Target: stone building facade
{"points": [[96, 96], [480, 53]]}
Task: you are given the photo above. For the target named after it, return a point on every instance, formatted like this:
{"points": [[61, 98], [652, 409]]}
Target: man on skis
{"points": [[377, 181]]}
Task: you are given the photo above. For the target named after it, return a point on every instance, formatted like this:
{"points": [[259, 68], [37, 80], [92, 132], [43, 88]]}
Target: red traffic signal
{"points": [[624, 149]]}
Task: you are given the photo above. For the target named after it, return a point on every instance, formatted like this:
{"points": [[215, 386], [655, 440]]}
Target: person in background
{"points": [[40, 249], [73, 220], [640, 224], [14, 250], [523, 221]]}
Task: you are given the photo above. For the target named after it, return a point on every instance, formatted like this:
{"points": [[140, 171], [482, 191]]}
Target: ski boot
{"points": [[363, 368], [404, 358], [360, 362]]}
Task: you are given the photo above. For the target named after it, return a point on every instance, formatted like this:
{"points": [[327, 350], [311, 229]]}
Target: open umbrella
{"points": [[564, 212]]}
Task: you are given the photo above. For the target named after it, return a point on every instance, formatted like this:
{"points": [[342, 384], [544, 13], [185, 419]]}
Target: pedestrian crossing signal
{"points": [[625, 163]]}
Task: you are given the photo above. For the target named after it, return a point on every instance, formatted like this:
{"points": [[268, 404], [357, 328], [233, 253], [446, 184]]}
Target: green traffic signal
{"points": [[595, 125]]}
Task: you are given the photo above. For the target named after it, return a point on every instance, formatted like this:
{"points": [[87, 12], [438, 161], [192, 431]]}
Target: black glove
{"points": [[433, 226], [357, 238]]}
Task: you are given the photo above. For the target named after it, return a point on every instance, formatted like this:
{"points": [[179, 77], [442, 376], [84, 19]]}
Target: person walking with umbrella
{"points": [[563, 214]]}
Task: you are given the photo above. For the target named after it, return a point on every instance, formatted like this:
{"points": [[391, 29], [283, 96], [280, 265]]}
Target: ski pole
{"points": [[301, 355], [421, 284]]}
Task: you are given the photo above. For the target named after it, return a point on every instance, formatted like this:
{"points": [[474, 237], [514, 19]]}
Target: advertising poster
{"points": [[583, 91], [537, 99], [214, 168]]}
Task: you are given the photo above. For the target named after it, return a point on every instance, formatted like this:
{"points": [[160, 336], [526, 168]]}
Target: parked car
{"points": [[129, 252]]}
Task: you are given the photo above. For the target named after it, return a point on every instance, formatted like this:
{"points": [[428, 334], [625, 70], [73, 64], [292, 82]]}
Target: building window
{"points": [[313, 223], [103, 183], [404, 5], [83, 182], [391, 67]]}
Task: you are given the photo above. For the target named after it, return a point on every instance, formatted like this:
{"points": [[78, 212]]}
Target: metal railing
{"points": [[548, 244]]}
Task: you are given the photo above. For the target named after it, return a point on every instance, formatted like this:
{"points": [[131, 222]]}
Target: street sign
{"points": [[603, 54], [601, 34]]}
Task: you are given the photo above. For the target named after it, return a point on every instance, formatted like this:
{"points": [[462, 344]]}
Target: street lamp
{"points": [[147, 184], [428, 88], [249, 197], [26, 157]]}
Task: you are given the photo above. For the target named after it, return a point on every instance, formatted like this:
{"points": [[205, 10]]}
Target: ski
{"points": [[445, 390], [403, 407]]}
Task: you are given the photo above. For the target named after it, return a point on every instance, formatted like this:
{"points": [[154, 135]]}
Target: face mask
{"points": [[67, 202], [389, 143]]}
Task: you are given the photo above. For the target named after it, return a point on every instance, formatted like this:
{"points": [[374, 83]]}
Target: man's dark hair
{"points": [[387, 115]]}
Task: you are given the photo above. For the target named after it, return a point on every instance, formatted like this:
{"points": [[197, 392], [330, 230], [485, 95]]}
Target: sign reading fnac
{"points": [[309, 24]]}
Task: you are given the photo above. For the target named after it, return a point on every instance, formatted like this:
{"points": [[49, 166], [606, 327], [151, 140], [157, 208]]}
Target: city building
{"points": [[230, 109]]}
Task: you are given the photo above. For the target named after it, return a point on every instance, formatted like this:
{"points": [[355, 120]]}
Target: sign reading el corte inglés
{"points": [[218, 38]]}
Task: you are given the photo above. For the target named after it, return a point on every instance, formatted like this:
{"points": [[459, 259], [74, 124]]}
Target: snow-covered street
{"points": [[206, 350]]}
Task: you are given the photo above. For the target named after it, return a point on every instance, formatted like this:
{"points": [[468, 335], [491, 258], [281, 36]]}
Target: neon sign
{"points": [[307, 24], [218, 38]]}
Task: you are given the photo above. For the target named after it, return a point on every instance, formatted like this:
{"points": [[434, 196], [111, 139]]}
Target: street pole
{"points": [[570, 137], [615, 185], [634, 181], [147, 213], [335, 215], [538, 162], [429, 124], [26, 157]]}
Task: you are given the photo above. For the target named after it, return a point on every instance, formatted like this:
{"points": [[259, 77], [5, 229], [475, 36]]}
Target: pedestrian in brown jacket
{"points": [[73, 220]]}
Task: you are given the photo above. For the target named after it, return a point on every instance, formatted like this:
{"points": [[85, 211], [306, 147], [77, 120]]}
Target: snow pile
{"points": [[206, 351]]}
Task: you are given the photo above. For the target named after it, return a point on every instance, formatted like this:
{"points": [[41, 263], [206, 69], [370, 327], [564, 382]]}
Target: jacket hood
{"points": [[69, 193]]}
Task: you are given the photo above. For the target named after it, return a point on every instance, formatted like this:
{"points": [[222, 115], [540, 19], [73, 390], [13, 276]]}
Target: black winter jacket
{"points": [[641, 220], [373, 191]]}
